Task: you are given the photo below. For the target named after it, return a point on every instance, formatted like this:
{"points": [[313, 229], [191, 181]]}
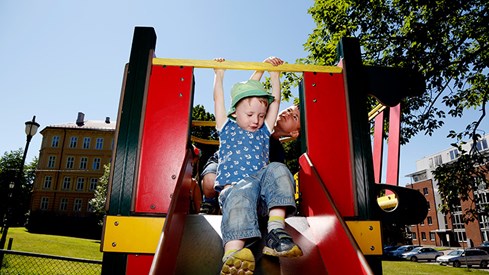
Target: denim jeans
{"points": [[270, 187]]}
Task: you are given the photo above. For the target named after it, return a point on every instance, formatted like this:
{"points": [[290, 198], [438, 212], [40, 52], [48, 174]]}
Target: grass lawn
{"points": [[54, 245], [411, 268], [90, 249]]}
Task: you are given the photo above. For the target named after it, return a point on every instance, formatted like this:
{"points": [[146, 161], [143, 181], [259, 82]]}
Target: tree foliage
{"points": [[445, 40], [464, 180], [199, 113], [15, 201], [100, 196]]}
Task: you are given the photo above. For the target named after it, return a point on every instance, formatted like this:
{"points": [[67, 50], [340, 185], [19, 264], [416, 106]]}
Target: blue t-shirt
{"points": [[241, 153]]}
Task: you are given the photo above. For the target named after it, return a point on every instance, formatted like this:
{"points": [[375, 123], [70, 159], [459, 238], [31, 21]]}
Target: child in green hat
{"points": [[247, 182]]}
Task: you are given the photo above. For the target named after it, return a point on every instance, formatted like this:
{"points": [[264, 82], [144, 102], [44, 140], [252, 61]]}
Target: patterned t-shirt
{"points": [[241, 153]]}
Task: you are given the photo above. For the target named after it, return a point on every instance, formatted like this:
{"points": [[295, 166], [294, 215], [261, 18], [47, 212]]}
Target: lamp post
{"points": [[30, 130]]}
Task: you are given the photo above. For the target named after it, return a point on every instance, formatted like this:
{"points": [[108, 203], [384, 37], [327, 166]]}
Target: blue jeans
{"points": [[270, 187]]}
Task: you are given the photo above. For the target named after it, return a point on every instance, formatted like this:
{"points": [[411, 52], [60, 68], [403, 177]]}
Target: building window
{"points": [[66, 183], [428, 205], [482, 202], [51, 161], [80, 182], [454, 154], [99, 143], [70, 162], [77, 205], [96, 164], [63, 205], [430, 220], [423, 236], [90, 208], [481, 144], [438, 160], [432, 236], [83, 163], [44, 203], [422, 223], [461, 236], [73, 142], [48, 180], [413, 235], [93, 184], [86, 143], [55, 142], [425, 191]]}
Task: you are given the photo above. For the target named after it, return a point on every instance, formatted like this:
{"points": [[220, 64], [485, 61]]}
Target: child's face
{"points": [[250, 114], [288, 120]]}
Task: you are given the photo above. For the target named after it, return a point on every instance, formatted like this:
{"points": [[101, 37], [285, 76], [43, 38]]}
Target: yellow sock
{"points": [[227, 253], [275, 222]]}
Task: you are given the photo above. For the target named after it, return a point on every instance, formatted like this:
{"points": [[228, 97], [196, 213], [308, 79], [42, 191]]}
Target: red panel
{"points": [[330, 232], [138, 264], [392, 176], [168, 248], [378, 146], [164, 137], [328, 137]]}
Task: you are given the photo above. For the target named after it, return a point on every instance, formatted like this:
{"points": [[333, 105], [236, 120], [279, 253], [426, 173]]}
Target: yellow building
{"points": [[71, 161]]}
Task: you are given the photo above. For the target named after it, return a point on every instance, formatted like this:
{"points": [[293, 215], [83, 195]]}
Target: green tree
{"points": [[204, 132], [15, 200], [445, 40], [100, 195]]}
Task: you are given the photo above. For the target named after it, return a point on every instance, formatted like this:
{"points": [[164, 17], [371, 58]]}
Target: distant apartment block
{"points": [[71, 161], [446, 230]]}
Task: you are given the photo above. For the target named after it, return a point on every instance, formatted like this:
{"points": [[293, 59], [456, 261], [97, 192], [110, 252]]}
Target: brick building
{"points": [[71, 161], [446, 230]]}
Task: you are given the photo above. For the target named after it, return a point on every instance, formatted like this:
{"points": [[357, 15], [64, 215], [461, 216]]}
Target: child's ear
{"points": [[233, 115]]}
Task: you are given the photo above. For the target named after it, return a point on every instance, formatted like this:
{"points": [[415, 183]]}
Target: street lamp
{"points": [[30, 130]]}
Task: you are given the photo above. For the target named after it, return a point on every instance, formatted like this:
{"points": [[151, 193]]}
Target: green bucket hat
{"points": [[246, 89]]}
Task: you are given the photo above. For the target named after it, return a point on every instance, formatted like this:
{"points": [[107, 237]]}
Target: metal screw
{"points": [[314, 100], [180, 94], [182, 79], [372, 248], [114, 244], [152, 206], [173, 177], [313, 84], [370, 228], [116, 223]]}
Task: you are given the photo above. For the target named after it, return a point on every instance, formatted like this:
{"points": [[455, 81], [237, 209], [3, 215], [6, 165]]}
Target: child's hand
{"points": [[218, 70], [275, 61]]}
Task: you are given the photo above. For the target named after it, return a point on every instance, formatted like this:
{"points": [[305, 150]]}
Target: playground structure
{"points": [[149, 228]]}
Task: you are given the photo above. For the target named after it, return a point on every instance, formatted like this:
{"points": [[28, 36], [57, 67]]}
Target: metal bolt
{"points": [[114, 244], [313, 84], [180, 94], [173, 177], [372, 248], [116, 223], [370, 228], [314, 100], [152, 206], [182, 79]]}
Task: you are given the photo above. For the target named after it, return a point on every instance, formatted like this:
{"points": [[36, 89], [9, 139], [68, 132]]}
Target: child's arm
{"points": [[275, 61], [273, 109], [219, 108]]}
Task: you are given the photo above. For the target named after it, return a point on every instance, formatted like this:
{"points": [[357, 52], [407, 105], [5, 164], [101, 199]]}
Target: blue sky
{"points": [[63, 57]]}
